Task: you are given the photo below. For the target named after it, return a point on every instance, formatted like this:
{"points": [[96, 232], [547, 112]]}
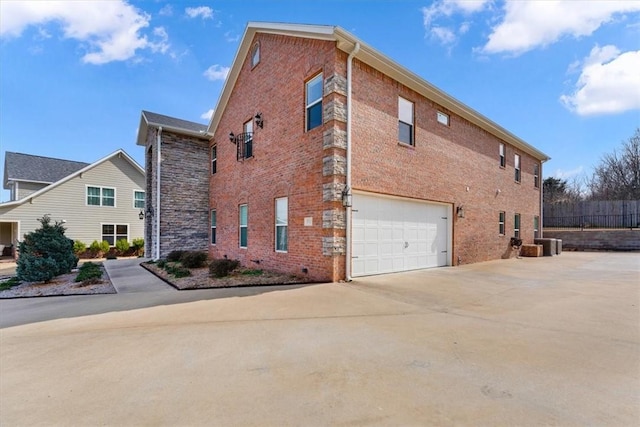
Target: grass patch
{"points": [[252, 272], [9, 283]]}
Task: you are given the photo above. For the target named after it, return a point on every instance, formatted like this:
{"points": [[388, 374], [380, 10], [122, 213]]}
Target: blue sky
{"points": [[74, 76]]}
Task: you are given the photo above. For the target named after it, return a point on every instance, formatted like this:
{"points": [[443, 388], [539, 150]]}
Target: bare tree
{"points": [[557, 190], [617, 177]]}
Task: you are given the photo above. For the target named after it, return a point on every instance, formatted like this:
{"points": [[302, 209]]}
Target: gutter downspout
{"points": [[347, 263], [540, 228], [158, 163]]}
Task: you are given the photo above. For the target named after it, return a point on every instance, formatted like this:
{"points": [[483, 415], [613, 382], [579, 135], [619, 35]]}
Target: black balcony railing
{"points": [[592, 221], [244, 145]]}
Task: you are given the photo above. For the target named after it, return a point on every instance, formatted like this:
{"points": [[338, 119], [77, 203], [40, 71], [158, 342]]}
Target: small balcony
{"points": [[244, 145]]}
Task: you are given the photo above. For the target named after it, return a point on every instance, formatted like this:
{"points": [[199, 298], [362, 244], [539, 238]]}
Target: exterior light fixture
{"points": [[460, 211], [141, 214], [259, 121], [232, 137], [347, 197]]}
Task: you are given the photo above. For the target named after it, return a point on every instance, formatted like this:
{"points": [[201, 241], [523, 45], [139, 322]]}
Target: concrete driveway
{"points": [[532, 341]]}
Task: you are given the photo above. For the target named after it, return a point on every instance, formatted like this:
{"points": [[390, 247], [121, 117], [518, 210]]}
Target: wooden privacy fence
{"points": [[592, 214]]}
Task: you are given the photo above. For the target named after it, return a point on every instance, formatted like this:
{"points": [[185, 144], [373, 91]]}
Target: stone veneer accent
{"points": [[333, 246], [334, 165], [332, 192], [335, 110], [334, 218], [335, 83], [334, 138]]}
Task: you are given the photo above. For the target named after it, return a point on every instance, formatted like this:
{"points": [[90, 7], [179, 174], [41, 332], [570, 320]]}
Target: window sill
{"points": [[405, 145]]}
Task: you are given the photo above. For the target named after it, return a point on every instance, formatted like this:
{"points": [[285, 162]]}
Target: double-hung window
{"points": [[501, 223], [138, 199], [313, 92], [214, 222], [536, 227], [101, 196], [113, 232], [536, 175], [503, 160], [248, 139], [214, 159], [282, 222], [516, 226], [405, 121], [243, 220], [516, 162]]}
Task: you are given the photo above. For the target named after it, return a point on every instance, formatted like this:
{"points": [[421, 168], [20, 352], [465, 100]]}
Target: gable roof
{"points": [[346, 42], [78, 172], [149, 119], [40, 169]]}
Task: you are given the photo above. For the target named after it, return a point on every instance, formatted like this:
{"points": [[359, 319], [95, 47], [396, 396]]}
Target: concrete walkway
{"points": [[527, 342]]}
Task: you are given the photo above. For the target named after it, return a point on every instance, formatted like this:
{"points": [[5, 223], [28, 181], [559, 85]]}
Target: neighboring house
{"points": [[326, 158], [99, 201]]}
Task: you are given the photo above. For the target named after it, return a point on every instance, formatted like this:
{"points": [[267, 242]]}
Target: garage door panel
{"points": [[391, 235]]}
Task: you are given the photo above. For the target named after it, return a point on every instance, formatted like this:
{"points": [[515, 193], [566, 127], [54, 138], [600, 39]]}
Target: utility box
{"points": [[558, 246], [531, 250], [549, 246]]}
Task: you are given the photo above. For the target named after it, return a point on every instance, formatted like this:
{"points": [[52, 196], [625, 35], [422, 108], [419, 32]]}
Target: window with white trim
{"points": [[248, 139], [101, 196], [405, 121], [443, 118], [536, 175], [214, 226], [503, 160], [244, 222], [516, 162], [501, 223], [138, 199], [111, 233], [282, 224], [536, 226], [255, 55], [214, 159], [313, 91], [516, 226]]}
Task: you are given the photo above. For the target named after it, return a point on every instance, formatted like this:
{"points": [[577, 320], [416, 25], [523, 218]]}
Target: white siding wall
{"points": [[68, 202]]}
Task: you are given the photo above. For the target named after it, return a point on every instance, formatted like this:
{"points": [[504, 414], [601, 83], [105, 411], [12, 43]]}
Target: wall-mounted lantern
{"points": [[259, 121], [460, 211]]}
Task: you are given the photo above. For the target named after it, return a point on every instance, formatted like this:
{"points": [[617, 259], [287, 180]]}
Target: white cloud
{"points": [[432, 15], [531, 24], [230, 37], [204, 12], [216, 72], [563, 174], [167, 10], [111, 30], [207, 114], [609, 83]]}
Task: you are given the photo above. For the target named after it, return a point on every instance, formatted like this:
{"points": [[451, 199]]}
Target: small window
{"points": [[101, 196], [214, 221], [255, 55], [314, 102], [405, 121], [214, 159], [503, 160], [138, 199], [244, 217], [536, 175], [536, 227], [516, 161], [516, 226], [443, 118], [248, 139], [501, 223], [112, 233], [282, 223]]}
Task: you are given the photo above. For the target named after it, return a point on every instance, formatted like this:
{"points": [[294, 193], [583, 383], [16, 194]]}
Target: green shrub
{"points": [[8, 284], [175, 256], [45, 253], [162, 263], [222, 267], [79, 247], [252, 272], [122, 246], [193, 259], [177, 271], [98, 249], [89, 271], [138, 246], [104, 246]]}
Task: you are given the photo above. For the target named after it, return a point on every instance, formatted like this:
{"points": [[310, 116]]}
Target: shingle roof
{"points": [[172, 122], [27, 167]]}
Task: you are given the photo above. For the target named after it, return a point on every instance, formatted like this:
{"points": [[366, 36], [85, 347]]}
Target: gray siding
{"points": [[26, 189], [68, 202]]}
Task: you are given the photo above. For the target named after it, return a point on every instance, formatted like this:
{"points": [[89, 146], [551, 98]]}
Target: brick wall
{"points": [[456, 164]]}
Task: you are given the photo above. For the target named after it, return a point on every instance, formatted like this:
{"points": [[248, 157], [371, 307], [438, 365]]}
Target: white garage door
{"points": [[392, 235]]}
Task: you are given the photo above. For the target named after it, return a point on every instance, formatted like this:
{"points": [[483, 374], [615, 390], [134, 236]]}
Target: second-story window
{"points": [[536, 176], [405, 121], [314, 102], [503, 160], [138, 199], [516, 162], [248, 139], [214, 159], [101, 196]]}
